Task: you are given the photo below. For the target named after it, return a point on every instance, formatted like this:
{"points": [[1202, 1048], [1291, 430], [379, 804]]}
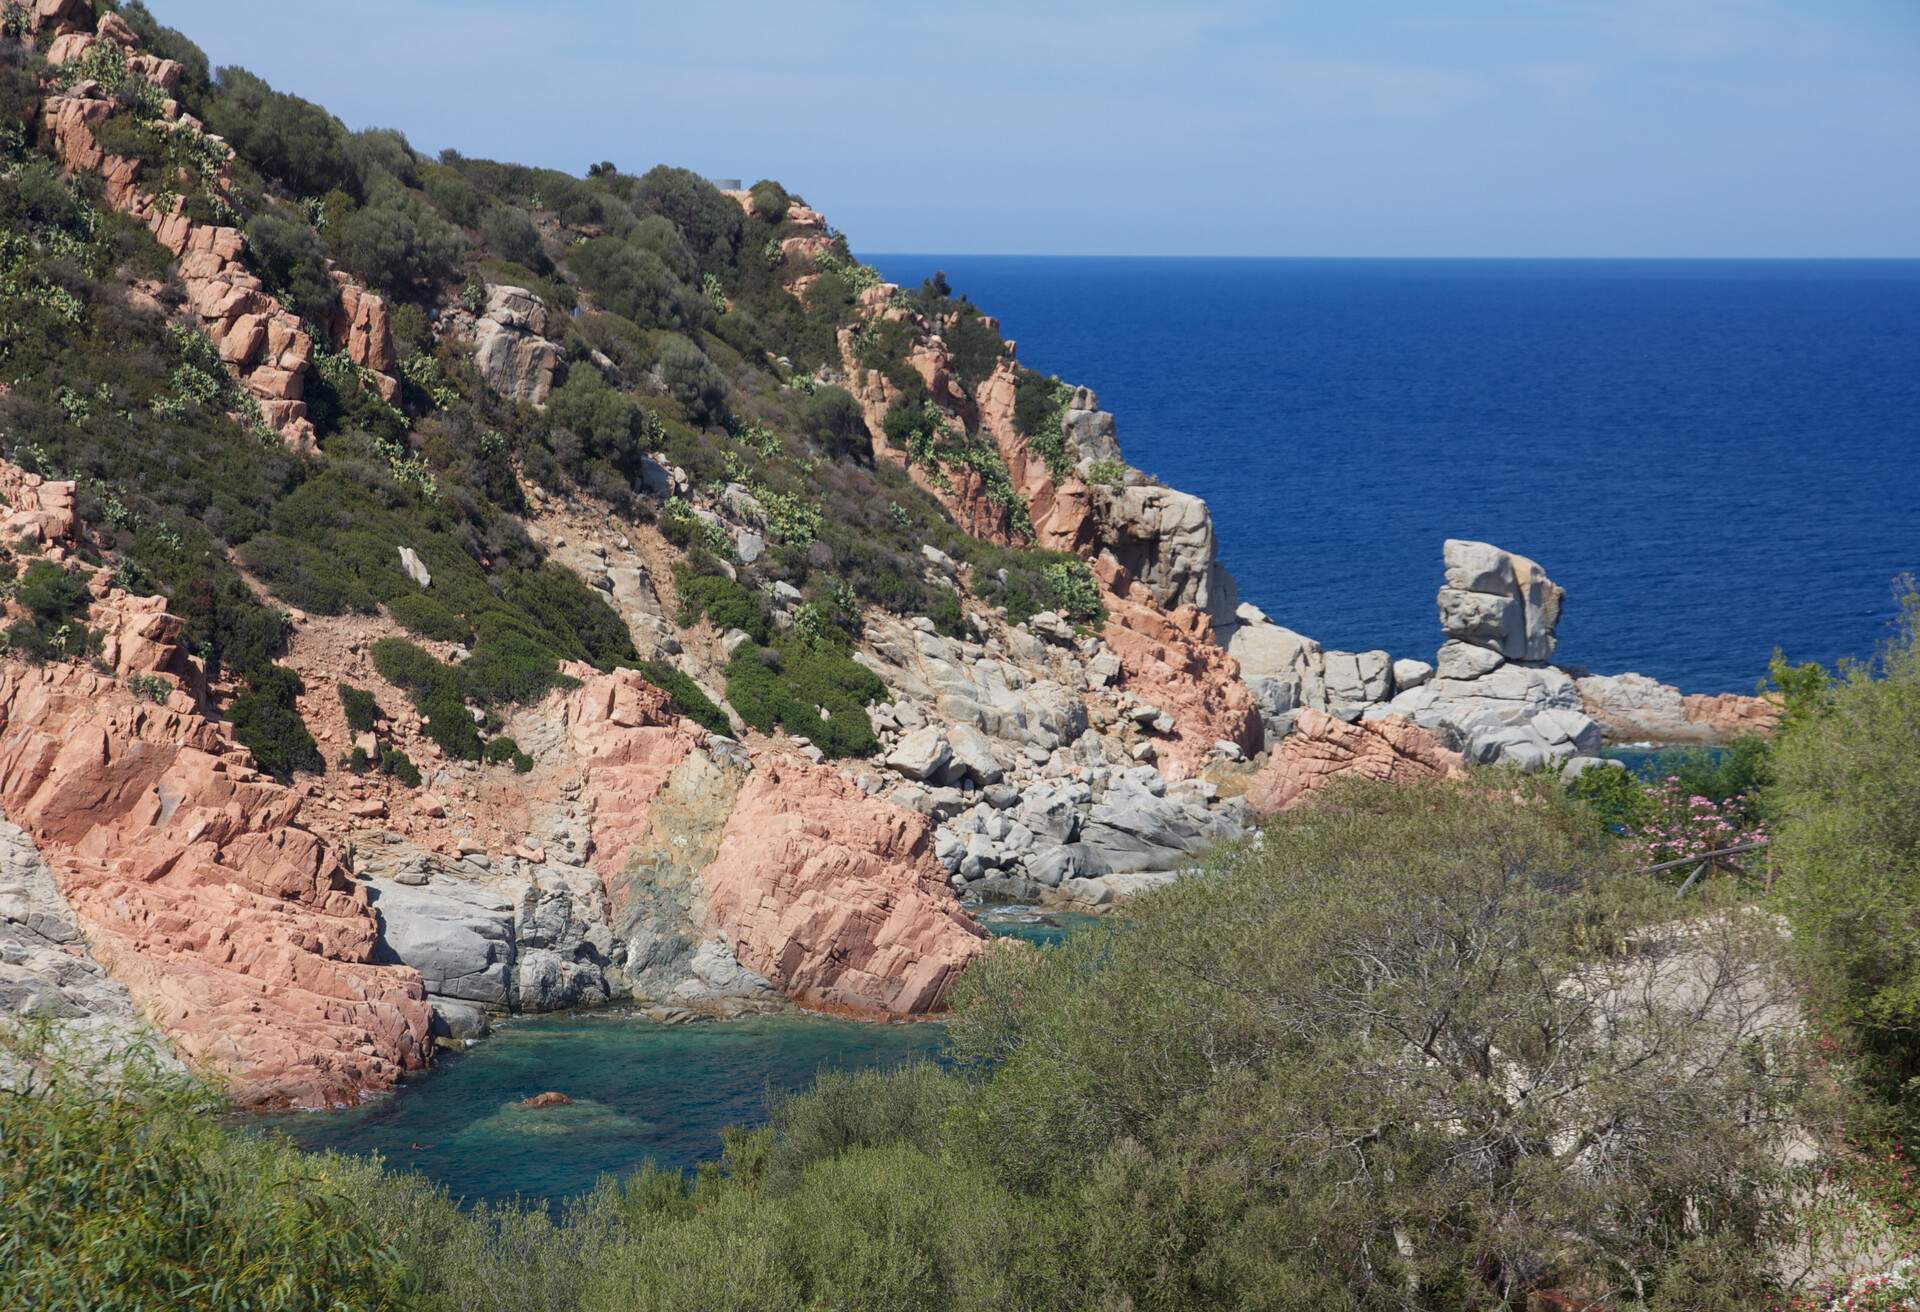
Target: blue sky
{"points": [[1218, 127]]}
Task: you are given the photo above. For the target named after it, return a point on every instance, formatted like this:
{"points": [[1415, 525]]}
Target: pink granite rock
{"points": [[836, 897], [238, 932], [1322, 749]]}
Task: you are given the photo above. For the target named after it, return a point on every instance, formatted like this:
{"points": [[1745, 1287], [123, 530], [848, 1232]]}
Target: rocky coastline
{"points": [[310, 943]]}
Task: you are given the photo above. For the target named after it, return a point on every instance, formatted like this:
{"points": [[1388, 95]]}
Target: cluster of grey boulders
{"points": [[1036, 771], [1491, 691]]}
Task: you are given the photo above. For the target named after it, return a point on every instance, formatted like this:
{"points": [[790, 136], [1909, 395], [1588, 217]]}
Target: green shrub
{"points": [[124, 1194], [1071, 589], [410, 667], [709, 222], [282, 136], [1616, 798], [1039, 406], [267, 722], [813, 690], [52, 594], [975, 348], [692, 380], [504, 751], [726, 603], [636, 284], [363, 711], [770, 200], [449, 724], [686, 698], [510, 667], [947, 615], [418, 613], [397, 763], [1107, 472], [288, 257], [396, 242], [510, 234], [1847, 771]]}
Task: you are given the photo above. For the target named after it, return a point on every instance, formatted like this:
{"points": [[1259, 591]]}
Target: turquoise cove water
{"points": [[640, 1090]]}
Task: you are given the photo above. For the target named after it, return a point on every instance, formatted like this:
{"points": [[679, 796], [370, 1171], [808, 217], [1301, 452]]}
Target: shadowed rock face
{"points": [[1321, 749]]}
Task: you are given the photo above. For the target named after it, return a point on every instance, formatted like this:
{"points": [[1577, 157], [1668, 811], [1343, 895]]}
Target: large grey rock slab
{"points": [[459, 936], [1499, 600], [1132, 829], [509, 348]]}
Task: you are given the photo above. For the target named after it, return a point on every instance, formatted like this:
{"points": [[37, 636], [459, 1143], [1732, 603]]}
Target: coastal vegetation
{"points": [[1439, 1046], [1435, 1046]]}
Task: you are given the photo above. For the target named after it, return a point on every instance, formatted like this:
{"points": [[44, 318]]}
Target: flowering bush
{"points": [[1679, 824], [1897, 1289]]}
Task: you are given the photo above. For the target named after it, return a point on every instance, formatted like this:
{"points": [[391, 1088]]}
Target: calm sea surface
{"points": [[1713, 457]]}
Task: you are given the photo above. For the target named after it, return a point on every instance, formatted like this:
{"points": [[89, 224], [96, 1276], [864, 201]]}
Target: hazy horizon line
{"points": [[1460, 259]]}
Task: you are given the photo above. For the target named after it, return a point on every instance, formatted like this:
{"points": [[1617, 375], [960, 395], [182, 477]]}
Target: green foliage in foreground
{"points": [[133, 1199], [1847, 789], [1394, 1057]]}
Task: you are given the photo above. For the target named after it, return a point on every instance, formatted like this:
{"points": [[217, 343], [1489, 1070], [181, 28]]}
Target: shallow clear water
{"points": [[1715, 457], [640, 1089]]}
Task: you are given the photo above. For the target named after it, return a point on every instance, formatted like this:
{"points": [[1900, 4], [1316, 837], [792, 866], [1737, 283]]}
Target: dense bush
{"points": [[1847, 773], [510, 234], [362, 710], [692, 380], [708, 221], [685, 697], [123, 1194], [53, 595], [770, 200], [812, 689], [636, 284], [288, 257], [282, 136], [726, 603], [267, 722], [397, 242], [418, 613]]}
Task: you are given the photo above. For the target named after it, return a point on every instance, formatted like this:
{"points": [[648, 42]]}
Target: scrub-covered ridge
{"points": [[440, 587]]}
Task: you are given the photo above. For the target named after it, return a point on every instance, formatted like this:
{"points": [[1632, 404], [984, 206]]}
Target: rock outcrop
{"points": [[1498, 600], [237, 932], [1322, 749], [735, 875], [259, 340], [835, 897], [510, 346], [1631, 708]]}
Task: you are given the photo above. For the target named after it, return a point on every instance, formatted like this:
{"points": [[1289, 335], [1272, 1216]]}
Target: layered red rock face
{"points": [[836, 897], [238, 932], [1322, 749], [628, 743], [258, 338]]}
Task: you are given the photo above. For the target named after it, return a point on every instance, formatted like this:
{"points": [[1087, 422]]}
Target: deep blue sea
{"points": [[1713, 457]]}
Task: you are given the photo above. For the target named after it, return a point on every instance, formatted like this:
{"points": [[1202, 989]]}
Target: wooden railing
{"points": [[1711, 862]]}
